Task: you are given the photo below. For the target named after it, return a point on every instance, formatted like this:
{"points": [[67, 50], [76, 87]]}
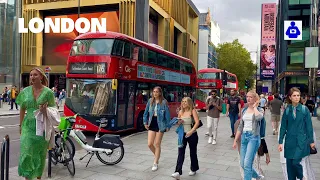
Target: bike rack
{"points": [[5, 158]]}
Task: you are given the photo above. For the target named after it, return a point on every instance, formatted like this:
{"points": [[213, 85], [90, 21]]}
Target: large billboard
{"points": [[56, 46], [268, 41]]}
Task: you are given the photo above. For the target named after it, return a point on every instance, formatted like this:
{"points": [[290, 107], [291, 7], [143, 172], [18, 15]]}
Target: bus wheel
{"points": [[140, 125]]}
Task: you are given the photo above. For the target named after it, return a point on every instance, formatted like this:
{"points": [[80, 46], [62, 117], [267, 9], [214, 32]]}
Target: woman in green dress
{"points": [[33, 148]]}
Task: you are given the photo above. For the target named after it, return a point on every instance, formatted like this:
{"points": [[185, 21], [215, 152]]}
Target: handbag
{"points": [[193, 122], [313, 151]]}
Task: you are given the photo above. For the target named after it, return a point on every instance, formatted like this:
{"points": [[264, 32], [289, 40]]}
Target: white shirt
{"points": [[155, 110], [247, 119]]}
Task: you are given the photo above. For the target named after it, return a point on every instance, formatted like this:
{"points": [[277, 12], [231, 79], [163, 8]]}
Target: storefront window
{"points": [[294, 2], [295, 58], [9, 51]]}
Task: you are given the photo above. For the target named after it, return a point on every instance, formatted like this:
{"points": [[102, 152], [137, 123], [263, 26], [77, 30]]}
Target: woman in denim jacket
{"points": [[156, 119], [249, 130]]}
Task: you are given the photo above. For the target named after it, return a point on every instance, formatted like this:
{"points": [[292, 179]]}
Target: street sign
{"points": [[293, 30]]}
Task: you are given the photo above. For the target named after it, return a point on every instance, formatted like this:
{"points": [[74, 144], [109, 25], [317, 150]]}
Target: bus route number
{"points": [[101, 68]]}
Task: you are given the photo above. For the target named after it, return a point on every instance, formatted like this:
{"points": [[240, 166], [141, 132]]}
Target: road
{"points": [[9, 125]]}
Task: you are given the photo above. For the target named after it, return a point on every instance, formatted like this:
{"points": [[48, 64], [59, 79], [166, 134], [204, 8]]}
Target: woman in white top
{"points": [[188, 117], [249, 130]]}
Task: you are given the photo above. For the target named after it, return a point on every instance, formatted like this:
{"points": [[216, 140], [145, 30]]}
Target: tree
{"points": [[235, 58]]}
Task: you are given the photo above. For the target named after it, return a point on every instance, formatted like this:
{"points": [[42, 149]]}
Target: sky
{"points": [[238, 19]]}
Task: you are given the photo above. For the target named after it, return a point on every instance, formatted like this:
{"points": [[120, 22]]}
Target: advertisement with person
{"points": [[268, 41], [56, 46]]}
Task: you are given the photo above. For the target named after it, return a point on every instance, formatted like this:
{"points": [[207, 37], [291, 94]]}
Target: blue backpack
{"points": [[262, 123]]}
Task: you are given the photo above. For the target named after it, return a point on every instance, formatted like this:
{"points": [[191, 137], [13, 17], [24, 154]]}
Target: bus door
{"points": [[126, 98]]}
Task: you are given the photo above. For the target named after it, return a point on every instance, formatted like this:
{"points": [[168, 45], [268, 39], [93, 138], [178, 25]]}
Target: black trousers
{"points": [[14, 101], [193, 143], [294, 169]]}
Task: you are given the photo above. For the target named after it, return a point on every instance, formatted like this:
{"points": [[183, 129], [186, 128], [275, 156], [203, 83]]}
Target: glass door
{"points": [[126, 98]]}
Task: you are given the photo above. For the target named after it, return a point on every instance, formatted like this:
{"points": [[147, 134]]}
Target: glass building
{"points": [[10, 11], [290, 71]]}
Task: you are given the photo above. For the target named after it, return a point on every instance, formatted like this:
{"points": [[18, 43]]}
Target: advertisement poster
{"points": [[56, 46], [268, 41]]}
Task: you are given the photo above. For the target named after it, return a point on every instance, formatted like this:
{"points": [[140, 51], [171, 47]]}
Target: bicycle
{"points": [[58, 153], [107, 144]]}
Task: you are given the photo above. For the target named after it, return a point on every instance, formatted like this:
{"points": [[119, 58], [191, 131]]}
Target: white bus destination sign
{"points": [[148, 72]]}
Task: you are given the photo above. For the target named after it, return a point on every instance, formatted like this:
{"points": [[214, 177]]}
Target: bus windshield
{"points": [[91, 96], [92, 47], [208, 76], [202, 94]]}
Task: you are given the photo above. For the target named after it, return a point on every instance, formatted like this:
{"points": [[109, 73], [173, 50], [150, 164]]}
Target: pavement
{"points": [[217, 162], [5, 110]]}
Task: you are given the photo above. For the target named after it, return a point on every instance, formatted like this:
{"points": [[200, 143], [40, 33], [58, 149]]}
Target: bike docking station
{"points": [[5, 158]]}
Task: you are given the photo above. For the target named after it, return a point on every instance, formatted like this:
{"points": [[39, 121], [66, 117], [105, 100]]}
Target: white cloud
{"points": [[238, 19]]}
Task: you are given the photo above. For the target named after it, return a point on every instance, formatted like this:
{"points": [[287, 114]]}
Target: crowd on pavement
{"points": [[247, 125]]}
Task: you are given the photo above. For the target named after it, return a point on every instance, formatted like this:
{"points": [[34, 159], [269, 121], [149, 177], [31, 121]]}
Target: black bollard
{"points": [[49, 163]]}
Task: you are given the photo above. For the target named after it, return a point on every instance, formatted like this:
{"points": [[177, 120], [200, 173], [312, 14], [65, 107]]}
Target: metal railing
{"points": [[5, 158]]}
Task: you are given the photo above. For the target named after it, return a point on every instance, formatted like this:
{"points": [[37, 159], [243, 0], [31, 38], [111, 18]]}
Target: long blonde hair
{"points": [[44, 80], [189, 103], [161, 98], [254, 94]]}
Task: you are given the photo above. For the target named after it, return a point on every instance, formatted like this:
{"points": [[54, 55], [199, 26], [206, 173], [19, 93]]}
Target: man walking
{"points": [[13, 95], [233, 110], [275, 108], [214, 107]]}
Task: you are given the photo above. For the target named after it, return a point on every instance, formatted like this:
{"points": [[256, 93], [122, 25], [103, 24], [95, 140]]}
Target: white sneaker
{"points": [[175, 175], [154, 167], [207, 134], [210, 139], [214, 142], [191, 173], [260, 177]]}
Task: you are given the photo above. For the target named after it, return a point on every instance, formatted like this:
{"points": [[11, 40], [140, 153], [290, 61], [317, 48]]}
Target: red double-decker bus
{"points": [[111, 75], [212, 78]]}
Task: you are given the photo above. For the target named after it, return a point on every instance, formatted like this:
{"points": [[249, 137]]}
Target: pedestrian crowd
{"points": [[295, 132]]}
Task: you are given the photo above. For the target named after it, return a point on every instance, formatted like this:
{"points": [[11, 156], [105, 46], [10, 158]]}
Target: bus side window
{"points": [[152, 57], [170, 63], [162, 60], [177, 64], [118, 48], [136, 52], [183, 67], [127, 50]]}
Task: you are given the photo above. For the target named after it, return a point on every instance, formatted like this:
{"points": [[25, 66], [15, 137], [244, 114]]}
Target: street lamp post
{"points": [[257, 57]]}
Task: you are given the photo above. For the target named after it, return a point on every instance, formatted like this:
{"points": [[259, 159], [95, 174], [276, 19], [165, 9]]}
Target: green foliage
{"points": [[235, 58]]}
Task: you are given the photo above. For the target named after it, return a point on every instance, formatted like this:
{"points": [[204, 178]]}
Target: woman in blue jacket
{"points": [[296, 127], [156, 119]]}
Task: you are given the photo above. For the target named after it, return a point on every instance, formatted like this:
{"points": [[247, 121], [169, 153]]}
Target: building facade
{"points": [[290, 71], [215, 33], [9, 43], [207, 50], [172, 25]]}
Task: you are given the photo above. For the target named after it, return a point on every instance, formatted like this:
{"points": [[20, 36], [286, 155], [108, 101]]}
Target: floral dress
{"points": [[33, 148]]}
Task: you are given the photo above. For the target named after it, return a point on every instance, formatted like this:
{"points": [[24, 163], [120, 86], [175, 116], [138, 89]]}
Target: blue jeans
{"points": [[249, 147], [233, 119]]}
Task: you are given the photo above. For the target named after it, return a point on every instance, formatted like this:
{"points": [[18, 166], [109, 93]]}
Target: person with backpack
{"points": [[214, 107], [296, 127], [249, 130]]}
